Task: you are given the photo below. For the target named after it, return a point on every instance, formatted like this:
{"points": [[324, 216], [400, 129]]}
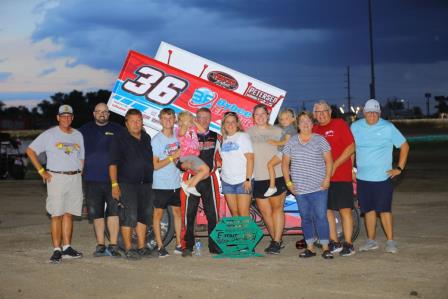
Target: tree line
{"points": [[44, 114]]}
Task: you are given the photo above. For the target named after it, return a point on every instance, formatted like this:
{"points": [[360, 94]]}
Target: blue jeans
{"points": [[313, 210], [233, 189]]}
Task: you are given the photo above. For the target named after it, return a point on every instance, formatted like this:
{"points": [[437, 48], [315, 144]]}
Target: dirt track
{"points": [[419, 270]]}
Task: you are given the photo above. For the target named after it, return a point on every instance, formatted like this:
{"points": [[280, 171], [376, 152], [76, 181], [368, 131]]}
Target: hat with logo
{"points": [[65, 109], [372, 106]]}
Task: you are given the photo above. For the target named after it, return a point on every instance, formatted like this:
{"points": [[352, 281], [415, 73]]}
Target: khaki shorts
{"points": [[64, 194]]}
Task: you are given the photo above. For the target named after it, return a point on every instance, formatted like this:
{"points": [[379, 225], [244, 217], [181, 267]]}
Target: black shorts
{"points": [[260, 187], [97, 195], [137, 199], [164, 198], [375, 196], [340, 196]]}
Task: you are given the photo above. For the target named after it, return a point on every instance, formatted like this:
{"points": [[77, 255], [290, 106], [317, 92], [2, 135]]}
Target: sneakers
{"points": [[347, 249], [146, 252], [100, 250], [369, 245], [56, 257], [185, 188], [327, 254], [391, 246], [273, 248], [178, 250], [132, 255], [307, 253], [270, 192], [189, 190], [187, 253], [70, 253], [194, 191], [163, 252], [335, 247], [113, 251]]}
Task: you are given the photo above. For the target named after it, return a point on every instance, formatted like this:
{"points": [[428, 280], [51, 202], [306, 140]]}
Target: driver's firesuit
{"points": [[209, 143]]}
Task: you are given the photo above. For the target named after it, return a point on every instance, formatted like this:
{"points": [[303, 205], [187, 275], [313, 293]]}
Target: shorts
{"points": [[375, 196], [97, 195], [137, 201], [340, 196], [260, 187], [166, 197], [233, 188], [194, 160], [64, 194]]}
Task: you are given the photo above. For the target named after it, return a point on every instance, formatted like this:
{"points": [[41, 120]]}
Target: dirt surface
{"points": [[419, 270]]}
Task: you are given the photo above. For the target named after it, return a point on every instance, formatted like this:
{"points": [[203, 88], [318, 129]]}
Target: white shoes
{"points": [[193, 190], [270, 192], [189, 190]]}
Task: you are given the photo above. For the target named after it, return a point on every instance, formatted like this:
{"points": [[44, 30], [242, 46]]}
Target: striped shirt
{"points": [[307, 168]]}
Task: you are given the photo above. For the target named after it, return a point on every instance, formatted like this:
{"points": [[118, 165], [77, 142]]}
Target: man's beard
{"points": [[102, 120]]}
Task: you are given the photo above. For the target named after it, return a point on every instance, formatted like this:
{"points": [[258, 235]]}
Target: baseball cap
{"points": [[372, 105], [65, 109]]}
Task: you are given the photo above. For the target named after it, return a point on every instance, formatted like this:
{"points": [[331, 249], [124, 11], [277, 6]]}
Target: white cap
{"points": [[372, 105], [65, 109]]}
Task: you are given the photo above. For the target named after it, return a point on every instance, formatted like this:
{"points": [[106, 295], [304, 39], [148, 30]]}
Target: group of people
{"points": [[138, 177]]}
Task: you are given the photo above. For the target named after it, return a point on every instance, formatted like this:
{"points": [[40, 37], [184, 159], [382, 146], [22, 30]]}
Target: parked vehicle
{"points": [[292, 222], [12, 160]]}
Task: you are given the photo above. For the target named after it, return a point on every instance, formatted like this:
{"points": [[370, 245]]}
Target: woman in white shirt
{"points": [[237, 165]]}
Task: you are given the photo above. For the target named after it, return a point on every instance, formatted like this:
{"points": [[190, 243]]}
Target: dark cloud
{"points": [[301, 46]]}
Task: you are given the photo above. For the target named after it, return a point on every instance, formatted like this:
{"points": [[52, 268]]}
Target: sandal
{"points": [[327, 254], [307, 253]]}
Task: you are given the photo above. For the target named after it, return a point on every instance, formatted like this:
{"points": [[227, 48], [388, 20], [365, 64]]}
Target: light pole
{"points": [[372, 63], [427, 96]]}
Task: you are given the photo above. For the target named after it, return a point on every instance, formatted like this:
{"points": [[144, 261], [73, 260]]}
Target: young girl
{"points": [[186, 133], [286, 121]]}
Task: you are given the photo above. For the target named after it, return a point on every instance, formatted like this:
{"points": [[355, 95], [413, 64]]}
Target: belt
{"points": [[66, 172]]}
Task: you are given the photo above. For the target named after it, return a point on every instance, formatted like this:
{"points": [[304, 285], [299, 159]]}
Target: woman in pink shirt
{"points": [[186, 133]]}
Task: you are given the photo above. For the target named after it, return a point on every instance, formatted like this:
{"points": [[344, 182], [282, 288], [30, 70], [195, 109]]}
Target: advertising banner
{"points": [[150, 85], [223, 76]]}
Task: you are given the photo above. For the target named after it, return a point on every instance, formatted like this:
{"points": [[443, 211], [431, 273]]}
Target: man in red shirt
{"points": [[340, 194]]}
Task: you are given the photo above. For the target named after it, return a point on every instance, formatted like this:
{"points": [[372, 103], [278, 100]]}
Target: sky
{"points": [[303, 47]]}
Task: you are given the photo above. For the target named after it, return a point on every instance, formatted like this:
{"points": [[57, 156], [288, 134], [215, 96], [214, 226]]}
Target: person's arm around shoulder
{"points": [[280, 142]]}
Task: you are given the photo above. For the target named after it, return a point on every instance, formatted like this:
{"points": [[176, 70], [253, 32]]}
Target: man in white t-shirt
{"points": [[64, 147]]}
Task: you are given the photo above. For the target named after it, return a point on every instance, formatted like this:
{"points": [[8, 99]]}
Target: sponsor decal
{"points": [[261, 96], [150, 85], [223, 79]]}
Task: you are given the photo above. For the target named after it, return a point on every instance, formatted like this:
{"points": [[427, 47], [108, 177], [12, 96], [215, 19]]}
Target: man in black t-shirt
{"points": [[131, 170], [209, 143], [98, 192]]}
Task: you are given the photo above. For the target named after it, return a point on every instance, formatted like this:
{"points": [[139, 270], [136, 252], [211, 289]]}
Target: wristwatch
{"points": [[247, 179], [399, 168]]}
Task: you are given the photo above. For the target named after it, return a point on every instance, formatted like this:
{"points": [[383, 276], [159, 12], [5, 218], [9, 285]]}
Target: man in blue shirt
{"points": [[375, 139], [97, 136], [166, 182]]}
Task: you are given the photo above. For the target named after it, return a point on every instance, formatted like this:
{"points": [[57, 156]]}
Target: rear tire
{"points": [[166, 230], [356, 215]]}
